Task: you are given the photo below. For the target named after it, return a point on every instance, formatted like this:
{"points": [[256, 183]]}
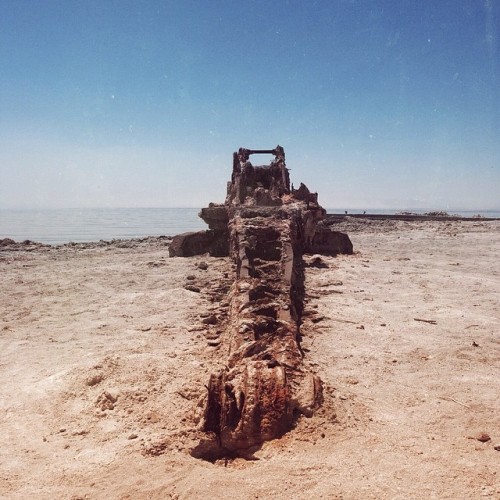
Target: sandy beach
{"points": [[104, 362]]}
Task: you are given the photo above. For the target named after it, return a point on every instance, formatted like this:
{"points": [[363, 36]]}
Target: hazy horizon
{"points": [[383, 104], [326, 207]]}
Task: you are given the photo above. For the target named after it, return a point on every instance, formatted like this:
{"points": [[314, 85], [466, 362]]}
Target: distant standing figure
{"points": [[346, 212], [364, 212]]}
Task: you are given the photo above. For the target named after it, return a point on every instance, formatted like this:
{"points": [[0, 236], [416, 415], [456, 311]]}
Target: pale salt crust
{"points": [[103, 363]]}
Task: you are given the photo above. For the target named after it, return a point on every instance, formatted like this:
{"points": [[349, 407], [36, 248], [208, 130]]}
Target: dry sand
{"points": [[103, 364]]}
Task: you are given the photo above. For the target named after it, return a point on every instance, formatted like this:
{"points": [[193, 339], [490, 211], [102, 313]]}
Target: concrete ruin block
{"points": [[215, 216], [197, 243], [329, 242]]}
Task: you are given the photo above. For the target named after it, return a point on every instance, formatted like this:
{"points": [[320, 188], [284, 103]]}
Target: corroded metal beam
{"points": [[264, 386]]}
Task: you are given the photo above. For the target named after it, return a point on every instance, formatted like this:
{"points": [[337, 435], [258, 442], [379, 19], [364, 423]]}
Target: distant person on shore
{"points": [[346, 212]]}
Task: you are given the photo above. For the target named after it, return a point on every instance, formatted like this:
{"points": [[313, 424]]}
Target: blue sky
{"points": [[378, 104]]}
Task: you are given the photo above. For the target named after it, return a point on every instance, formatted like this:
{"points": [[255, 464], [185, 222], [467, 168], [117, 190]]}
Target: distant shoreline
{"points": [[56, 227], [408, 217], [349, 223]]}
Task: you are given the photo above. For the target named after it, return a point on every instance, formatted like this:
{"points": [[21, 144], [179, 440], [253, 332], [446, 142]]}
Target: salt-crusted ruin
{"points": [[265, 226]]}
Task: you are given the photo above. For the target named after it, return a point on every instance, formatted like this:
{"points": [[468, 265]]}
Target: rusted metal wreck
{"points": [[265, 226]]}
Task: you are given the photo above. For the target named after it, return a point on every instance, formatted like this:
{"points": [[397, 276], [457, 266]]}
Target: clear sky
{"points": [[378, 103]]}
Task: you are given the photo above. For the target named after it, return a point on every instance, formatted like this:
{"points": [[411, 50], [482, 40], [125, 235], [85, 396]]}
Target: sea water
{"points": [[55, 226]]}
